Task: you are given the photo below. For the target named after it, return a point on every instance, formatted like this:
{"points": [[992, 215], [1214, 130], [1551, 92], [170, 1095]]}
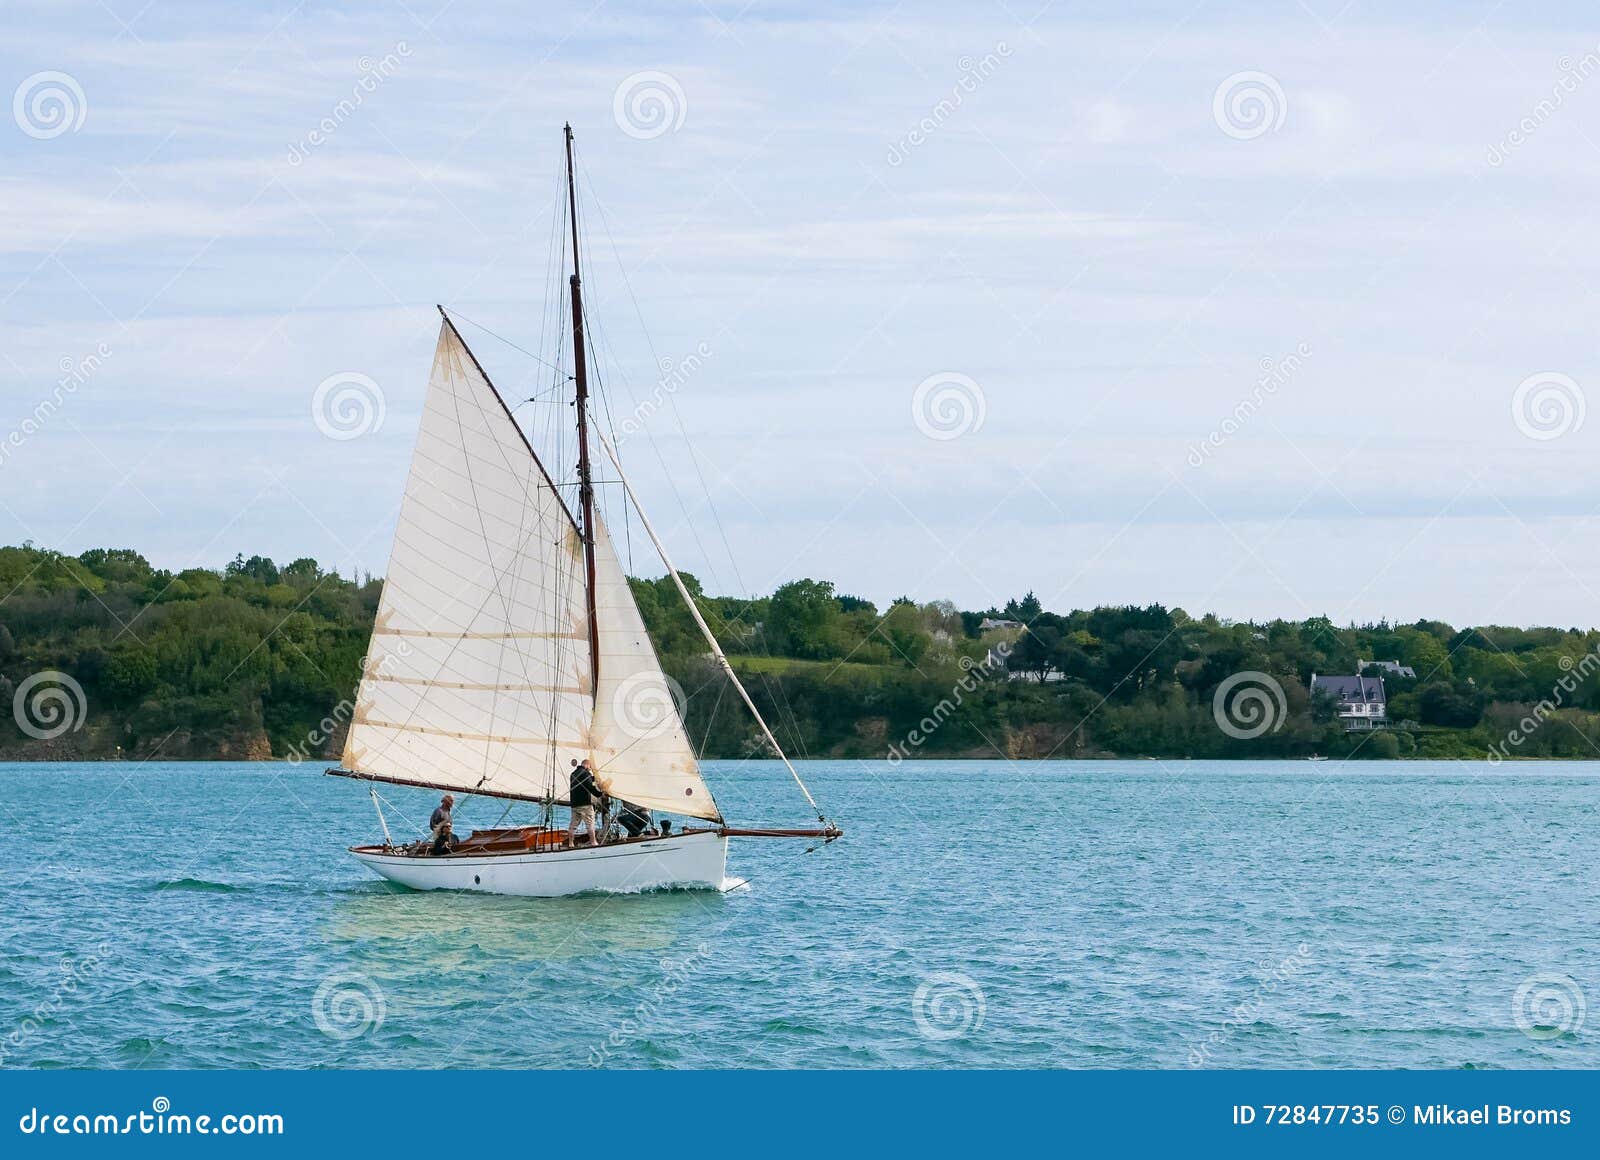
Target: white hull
{"points": [[687, 860]]}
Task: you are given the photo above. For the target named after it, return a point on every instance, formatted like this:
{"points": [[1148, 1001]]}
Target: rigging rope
{"points": [[716, 649], [388, 841], [454, 313], [597, 331]]}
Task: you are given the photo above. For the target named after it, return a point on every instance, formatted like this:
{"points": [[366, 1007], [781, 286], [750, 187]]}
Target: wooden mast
{"points": [[581, 378]]}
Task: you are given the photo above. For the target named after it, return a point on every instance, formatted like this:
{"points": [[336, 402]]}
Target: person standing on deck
{"points": [[441, 824], [581, 794]]}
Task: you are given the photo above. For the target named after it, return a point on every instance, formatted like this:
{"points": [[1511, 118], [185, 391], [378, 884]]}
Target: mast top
{"points": [[572, 206]]}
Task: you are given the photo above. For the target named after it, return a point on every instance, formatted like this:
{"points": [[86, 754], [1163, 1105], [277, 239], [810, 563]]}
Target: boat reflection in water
{"points": [[388, 923]]}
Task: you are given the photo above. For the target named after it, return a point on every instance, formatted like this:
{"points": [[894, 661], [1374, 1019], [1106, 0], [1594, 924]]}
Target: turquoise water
{"points": [[978, 914]]}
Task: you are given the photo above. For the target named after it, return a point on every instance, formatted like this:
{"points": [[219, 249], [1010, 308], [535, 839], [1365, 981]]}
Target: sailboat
{"points": [[508, 646]]}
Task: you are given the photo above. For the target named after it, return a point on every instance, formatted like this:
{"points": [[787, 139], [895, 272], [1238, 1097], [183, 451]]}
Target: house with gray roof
{"points": [[1360, 701], [1394, 667]]}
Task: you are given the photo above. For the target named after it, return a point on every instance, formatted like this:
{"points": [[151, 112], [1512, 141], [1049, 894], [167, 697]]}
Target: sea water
{"points": [[976, 914]]}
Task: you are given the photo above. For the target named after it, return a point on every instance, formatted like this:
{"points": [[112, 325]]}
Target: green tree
{"points": [[802, 620], [130, 674], [1452, 706], [902, 626]]}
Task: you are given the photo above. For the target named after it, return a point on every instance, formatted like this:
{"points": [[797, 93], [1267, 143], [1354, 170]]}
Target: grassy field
{"points": [[770, 665]]}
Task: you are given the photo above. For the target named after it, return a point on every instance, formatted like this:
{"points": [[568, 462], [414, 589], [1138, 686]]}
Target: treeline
{"points": [[1143, 681], [253, 660], [240, 663]]}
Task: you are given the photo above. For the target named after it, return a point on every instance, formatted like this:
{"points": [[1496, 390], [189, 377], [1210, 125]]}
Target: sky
{"points": [[1262, 310]]}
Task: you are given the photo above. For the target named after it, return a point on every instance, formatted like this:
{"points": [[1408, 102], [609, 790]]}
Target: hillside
{"points": [[260, 660]]}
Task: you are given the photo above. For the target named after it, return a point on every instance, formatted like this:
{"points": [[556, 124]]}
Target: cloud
{"points": [[1078, 237]]}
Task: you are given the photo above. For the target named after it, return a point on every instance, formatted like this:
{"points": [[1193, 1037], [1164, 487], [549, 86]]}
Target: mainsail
{"points": [[479, 676], [478, 673]]}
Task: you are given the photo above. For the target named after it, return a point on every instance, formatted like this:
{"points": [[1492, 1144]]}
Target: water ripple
{"points": [[1203, 914]]}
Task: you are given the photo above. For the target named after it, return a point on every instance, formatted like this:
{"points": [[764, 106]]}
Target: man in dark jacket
{"points": [[582, 793]]}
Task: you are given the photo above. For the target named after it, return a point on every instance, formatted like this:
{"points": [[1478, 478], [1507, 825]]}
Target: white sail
{"points": [[508, 644], [478, 675], [640, 750]]}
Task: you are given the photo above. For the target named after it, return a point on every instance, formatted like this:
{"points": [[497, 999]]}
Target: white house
{"points": [[1361, 701]]}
